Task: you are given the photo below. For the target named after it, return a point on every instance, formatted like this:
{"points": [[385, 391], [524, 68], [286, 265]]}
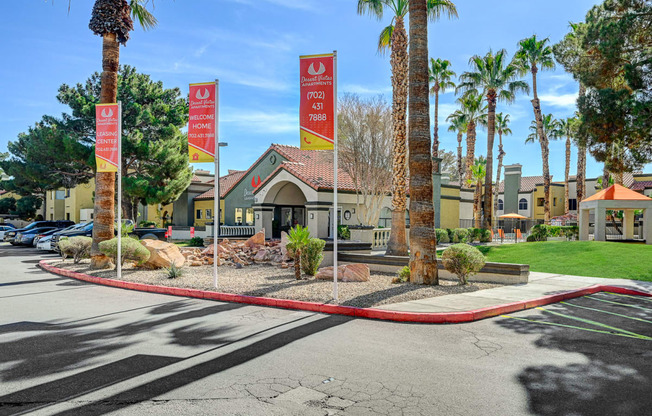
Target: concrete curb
{"points": [[370, 313]]}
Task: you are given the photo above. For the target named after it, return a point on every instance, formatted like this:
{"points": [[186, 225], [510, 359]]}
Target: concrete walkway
{"points": [[539, 285]]}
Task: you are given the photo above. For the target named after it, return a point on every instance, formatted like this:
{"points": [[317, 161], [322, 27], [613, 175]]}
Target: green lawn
{"points": [[580, 258]]}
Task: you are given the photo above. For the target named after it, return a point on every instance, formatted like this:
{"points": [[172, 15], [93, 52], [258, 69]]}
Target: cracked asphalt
{"points": [[71, 348]]}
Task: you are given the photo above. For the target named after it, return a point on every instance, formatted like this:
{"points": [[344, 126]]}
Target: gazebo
{"points": [[616, 197]]}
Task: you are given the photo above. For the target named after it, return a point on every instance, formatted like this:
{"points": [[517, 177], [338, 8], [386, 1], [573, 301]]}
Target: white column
{"points": [[584, 224], [318, 222], [647, 226], [628, 224], [600, 223]]}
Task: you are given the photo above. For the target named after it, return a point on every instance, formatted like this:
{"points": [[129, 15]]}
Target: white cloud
{"points": [[559, 100]]}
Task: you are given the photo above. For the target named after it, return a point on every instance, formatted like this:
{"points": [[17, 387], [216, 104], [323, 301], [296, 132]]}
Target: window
{"points": [[554, 202], [539, 202], [59, 194], [250, 216], [238, 216], [209, 214], [501, 205], [572, 204], [199, 214], [522, 204], [67, 216], [385, 220], [68, 193]]}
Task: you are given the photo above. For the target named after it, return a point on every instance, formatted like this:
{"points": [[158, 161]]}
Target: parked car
{"points": [[139, 233], [45, 243], [85, 230], [10, 236], [26, 237], [39, 236], [3, 228]]}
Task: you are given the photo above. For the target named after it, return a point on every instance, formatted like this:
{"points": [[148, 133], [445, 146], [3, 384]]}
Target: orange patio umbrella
{"points": [[514, 216]]}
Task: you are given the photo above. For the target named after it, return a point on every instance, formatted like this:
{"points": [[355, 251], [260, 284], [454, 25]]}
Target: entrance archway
{"points": [[289, 204]]}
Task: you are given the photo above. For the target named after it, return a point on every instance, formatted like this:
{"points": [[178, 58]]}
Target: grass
{"points": [[579, 258]]}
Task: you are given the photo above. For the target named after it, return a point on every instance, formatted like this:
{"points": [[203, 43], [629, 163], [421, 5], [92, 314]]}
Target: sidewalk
{"points": [[540, 285]]}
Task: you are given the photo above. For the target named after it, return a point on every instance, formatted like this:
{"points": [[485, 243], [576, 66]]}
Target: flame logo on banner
{"points": [[321, 70], [105, 114], [255, 181], [201, 96]]}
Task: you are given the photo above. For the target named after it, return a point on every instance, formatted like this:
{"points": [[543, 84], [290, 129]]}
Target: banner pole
{"points": [[216, 185], [119, 177], [335, 211]]}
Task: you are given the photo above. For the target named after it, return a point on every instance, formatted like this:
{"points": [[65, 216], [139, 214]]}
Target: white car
{"points": [[4, 228], [45, 243]]}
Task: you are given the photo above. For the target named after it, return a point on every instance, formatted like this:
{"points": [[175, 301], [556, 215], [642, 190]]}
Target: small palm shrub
{"points": [[312, 256], [343, 232], [298, 238], [442, 236], [173, 271], [196, 242], [463, 260], [76, 247], [131, 250], [403, 275]]}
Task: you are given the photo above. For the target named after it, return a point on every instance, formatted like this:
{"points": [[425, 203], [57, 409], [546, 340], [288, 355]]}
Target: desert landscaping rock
{"points": [[162, 254], [345, 273], [273, 281]]}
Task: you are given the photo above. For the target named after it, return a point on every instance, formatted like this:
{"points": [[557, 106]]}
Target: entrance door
{"points": [[288, 217]]}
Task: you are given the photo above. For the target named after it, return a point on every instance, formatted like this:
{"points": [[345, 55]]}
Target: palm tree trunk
{"points": [[501, 155], [491, 131], [297, 264], [397, 244], [103, 214], [477, 203], [435, 133], [543, 140], [581, 163], [423, 244], [460, 163], [470, 150], [568, 156]]}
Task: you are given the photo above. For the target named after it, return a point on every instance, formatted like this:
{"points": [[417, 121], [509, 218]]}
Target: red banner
{"points": [[107, 135], [192, 232], [317, 105], [202, 124]]}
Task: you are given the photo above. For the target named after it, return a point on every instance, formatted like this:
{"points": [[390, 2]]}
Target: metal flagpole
{"points": [[119, 177], [335, 220], [216, 191]]}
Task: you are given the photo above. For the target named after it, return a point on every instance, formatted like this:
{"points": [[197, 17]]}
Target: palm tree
{"points": [[394, 37], [478, 174], [550, 128], [533, 55], [566, 129], [111, 19], [474, 109], [440, 77], [298, 239], [459, 125], [502, 127], [495, 78]]}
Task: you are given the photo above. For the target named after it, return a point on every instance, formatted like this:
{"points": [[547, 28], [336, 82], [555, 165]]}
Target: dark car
{"points": [[10, 236], [82, 230], [27, 237], [87, 231], [55, 230]]}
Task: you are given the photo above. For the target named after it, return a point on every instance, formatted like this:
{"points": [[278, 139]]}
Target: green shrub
{"points": [[442, 236], [76, 247], [174, 271], [539, 232], [571, 232], [131, 250], [451, 235], [403, 275], [474, 235], [196, 242], [531, 238], [461, 235], [312, 256], [343, 232], [463, 260], [484, 235]]}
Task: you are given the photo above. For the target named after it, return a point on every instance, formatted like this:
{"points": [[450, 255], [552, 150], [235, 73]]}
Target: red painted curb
{"points": [[369, 313]]}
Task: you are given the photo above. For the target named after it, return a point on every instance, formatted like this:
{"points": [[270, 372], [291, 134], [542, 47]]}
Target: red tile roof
{"points": [[617, 193], [528, 183], [640, 185], [226, 183]]}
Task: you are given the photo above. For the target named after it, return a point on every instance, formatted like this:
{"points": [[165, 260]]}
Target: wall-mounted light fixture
{"points": [[257, 216], [312, 216], [353, 210]]}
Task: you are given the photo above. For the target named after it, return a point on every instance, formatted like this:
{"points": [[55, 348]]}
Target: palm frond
{"points": [[139, 12], [373, 8], [438, 7], [385, 39]]}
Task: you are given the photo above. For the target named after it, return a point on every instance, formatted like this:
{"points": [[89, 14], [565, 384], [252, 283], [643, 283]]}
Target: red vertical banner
{"points": [[202, 123], [192, 232], [107, 135], [317, 104]]}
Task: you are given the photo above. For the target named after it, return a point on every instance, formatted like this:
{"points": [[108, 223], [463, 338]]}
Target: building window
{"points": [[209, 214], [199, 214], [501, 205], [539, 202], [522, 204], [554, 202], [68, 193], [572, 204], [67, 216], [238, 216], [385, 220], [59, 195], [250, 216]]}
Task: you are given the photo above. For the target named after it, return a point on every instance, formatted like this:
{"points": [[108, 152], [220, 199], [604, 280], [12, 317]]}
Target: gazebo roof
{"points": [[617, 193]]}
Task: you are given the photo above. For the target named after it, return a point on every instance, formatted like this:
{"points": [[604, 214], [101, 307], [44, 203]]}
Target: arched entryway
{"points": [[289, 204]]}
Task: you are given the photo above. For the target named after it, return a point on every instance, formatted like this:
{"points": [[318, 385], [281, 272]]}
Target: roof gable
{"points": [[617, 193]]}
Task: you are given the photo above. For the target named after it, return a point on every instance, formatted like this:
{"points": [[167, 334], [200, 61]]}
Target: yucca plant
{"points": [[173, 271], [298, 238]]}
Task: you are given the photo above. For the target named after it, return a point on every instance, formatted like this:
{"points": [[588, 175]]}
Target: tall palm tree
{"points": [[458, 125], [440, 78], [550, 128], [478, 174], [474, 109], [531, 56], [394, 38], [502, 127], [566, 128], [494, 77], [111, 19]]}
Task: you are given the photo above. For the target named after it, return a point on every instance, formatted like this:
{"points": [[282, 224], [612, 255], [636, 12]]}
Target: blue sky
{"points": [[253, 46]]}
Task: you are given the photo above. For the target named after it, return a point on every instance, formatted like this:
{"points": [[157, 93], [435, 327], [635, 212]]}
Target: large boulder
{"points": [[257, 239], [284, 248], [345, 273], [162, 254]]}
